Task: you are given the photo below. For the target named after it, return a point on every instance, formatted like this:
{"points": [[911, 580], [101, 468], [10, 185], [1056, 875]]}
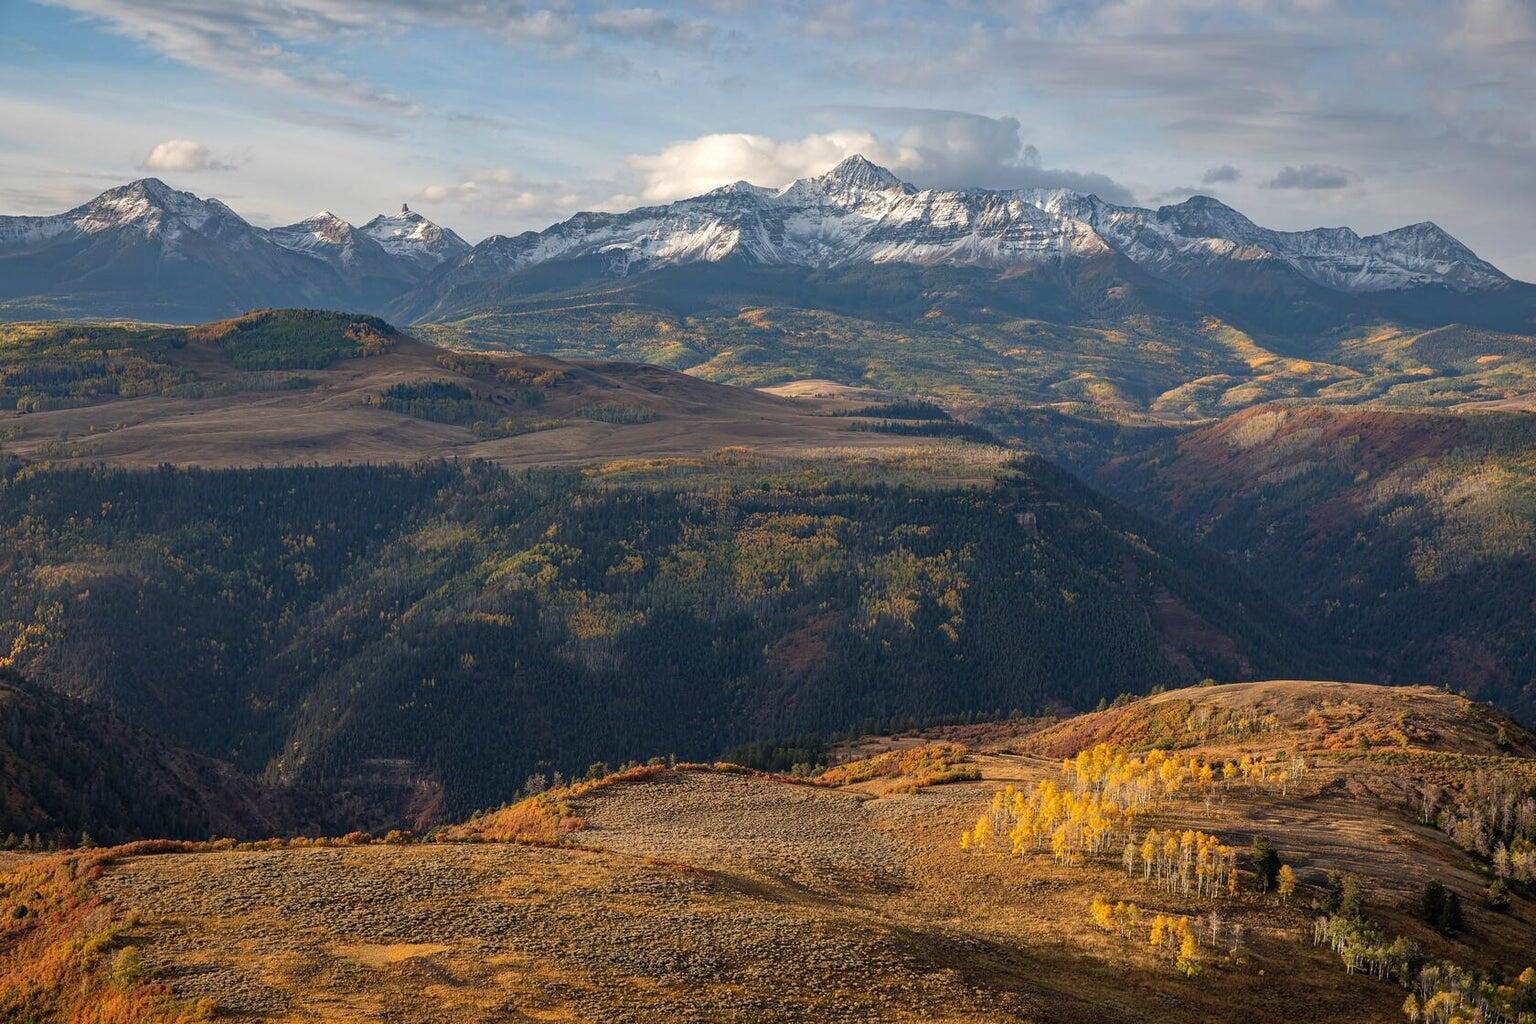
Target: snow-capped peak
{"points": [[410, 235], [147, 208], [319, 231], [859, 212], [150, 205], [856, 171]]}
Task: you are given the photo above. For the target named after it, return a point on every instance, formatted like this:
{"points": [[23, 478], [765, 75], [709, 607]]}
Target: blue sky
{"points": [[499, 115]]}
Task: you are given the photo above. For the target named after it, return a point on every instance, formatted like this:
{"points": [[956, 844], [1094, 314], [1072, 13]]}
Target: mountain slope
{"points": [[858, 213], [1407, 532], [477, 625], [141, 249], [67, 767], [371, 274], [411, 237], [147, 251]]}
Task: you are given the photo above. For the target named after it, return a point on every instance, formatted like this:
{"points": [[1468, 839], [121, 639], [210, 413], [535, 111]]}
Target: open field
{"points": [[721, 897]]}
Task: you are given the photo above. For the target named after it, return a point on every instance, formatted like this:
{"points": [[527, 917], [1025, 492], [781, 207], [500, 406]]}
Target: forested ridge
{"points": [[73, 772], [482, 624], [1409, 534]]}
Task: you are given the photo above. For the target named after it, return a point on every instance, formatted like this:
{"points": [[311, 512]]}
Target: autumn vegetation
{"points": [[491, 624], [1490, 813], [911, 770], [67, 957]]}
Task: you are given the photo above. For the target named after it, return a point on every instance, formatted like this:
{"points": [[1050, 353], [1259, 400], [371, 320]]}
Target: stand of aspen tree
{"points": [[1094, 809]]}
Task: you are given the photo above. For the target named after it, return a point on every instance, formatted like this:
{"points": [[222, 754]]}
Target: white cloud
{"points": [[933, 147], [1495, 24], [504, 201], [927, 147], [651, 25], [253, 40], [697, 165], [183, 155]]}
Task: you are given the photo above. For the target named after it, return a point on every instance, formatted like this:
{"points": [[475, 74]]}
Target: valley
{"points": [[480, 624]]}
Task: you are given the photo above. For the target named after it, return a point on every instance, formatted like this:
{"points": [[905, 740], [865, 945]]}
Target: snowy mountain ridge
{"points": [[860, 212], [145, 248], [151, 208]]}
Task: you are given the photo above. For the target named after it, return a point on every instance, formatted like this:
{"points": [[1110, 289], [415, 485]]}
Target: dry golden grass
{"points": [[720, 895]]}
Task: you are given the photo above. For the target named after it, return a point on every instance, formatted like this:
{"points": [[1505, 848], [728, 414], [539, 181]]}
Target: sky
{"points": [[496, 116]]}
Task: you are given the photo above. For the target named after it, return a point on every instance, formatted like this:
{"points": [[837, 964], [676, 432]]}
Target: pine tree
{"points": [[1449, 919], [1432, 902], [1264, 861]]}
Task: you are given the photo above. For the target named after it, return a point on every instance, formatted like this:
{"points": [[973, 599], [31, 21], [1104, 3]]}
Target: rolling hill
{"points": [[285, 387]]}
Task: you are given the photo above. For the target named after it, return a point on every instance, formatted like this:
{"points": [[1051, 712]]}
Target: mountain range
{"points": [[860, 213], [147, 250]]}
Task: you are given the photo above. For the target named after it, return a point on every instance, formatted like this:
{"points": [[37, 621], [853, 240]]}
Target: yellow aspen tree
{"points": [[1102, 913], [1285, 883], [1127, 917], [1189, 952]]}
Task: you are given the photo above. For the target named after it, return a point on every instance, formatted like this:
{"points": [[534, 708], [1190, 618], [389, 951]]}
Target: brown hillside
{"points": [[586, 411], [1284, 714], [724, 896]]}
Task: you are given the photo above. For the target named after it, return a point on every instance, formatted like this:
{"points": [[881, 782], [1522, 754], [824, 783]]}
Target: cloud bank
{"points": [[939, 148]]}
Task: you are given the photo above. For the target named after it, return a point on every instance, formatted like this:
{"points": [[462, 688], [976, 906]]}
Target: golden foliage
{"points": [[929, 765], [67, 957]]}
